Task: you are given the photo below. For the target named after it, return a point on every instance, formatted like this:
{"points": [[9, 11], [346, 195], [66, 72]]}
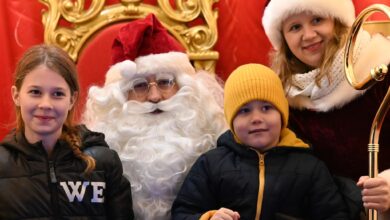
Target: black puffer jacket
{"points": [[297, 185], [34, 187]]}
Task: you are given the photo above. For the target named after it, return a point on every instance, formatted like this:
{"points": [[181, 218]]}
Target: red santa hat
{"points": [[276, 11], [144, 46]]}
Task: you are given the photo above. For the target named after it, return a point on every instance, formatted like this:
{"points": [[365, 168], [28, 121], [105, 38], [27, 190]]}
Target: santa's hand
{"points": [[375, 193], [225, 214]]}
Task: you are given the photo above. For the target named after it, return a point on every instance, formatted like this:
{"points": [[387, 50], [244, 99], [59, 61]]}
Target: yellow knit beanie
{"points": [[253, 82]]}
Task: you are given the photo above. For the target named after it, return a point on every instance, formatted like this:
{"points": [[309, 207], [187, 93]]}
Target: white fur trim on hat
{"points": [[175, 63], [172, 62], [278, 10], [119, 70]]}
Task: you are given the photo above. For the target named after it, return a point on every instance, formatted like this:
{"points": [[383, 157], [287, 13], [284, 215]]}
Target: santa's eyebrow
{"points": [[165, 76], [139, 75]]}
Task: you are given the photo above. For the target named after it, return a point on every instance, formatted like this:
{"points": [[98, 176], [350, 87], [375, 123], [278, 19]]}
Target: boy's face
{"points": [[258, 124]]}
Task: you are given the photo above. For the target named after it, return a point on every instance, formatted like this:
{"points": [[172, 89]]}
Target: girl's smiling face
{"points": [[307, 36], [44, 100]]}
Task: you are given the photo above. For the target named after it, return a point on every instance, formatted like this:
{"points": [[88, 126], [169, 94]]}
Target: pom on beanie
{"points": [[276, 11], [253, 82]]}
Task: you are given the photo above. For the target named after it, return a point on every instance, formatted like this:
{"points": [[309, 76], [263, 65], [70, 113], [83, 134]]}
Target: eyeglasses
{"points": [[141, 86]]}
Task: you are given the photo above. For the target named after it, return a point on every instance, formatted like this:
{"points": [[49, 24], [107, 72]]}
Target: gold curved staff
{"points": [[376, 74]]}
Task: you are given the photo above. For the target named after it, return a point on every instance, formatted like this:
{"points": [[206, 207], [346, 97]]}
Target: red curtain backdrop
{"points": [[241, 40]]}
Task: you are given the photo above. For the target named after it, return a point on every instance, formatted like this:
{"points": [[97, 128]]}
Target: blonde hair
{"points": [[57, 60], [286, 64]]}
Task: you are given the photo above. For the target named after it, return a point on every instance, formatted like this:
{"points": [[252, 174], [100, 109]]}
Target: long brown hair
{"points": [[286, 64], [57, 60]]}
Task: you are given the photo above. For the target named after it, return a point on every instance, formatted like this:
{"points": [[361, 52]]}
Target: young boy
{"points": [[260, 169]]}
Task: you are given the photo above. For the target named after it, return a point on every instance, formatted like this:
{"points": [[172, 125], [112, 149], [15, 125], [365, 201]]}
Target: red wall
{"points": [[241, 39]]}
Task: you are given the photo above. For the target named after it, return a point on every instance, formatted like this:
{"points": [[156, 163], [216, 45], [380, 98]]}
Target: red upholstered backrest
{"points": [[95, 59]]}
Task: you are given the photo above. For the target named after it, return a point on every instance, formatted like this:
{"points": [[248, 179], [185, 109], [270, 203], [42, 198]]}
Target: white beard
{"points": [[157, 150]]}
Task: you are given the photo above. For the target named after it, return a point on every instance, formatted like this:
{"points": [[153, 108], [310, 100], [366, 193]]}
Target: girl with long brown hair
{"points": [[51, 168]]}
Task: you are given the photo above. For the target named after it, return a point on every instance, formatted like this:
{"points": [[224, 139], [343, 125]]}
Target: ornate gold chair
{"points": [[373, 27], [86, 29]]}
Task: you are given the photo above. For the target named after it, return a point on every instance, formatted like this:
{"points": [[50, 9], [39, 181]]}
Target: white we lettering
{"points": [[77, 190]]}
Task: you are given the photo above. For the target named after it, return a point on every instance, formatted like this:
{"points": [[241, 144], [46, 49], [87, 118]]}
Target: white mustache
{"points": [[135, 107]]}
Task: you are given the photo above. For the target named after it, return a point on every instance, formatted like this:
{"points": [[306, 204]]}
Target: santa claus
{"points": [[157, 112]]}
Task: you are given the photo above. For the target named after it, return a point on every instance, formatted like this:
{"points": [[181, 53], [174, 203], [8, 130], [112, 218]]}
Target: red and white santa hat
{"points": [[278, 10], [144, 46]]}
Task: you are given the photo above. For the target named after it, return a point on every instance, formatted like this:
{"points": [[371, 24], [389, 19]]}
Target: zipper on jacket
{"points": [[53, 189], [261, 184], [53, 178]]}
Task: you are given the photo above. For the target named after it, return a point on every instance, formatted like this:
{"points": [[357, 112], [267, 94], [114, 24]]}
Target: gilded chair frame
{"points": [[373, 27], [69, 25]]}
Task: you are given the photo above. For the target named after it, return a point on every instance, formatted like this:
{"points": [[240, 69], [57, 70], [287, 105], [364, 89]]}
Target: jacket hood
{"points": [[288, 141], [16, 141], [90, 138]]}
